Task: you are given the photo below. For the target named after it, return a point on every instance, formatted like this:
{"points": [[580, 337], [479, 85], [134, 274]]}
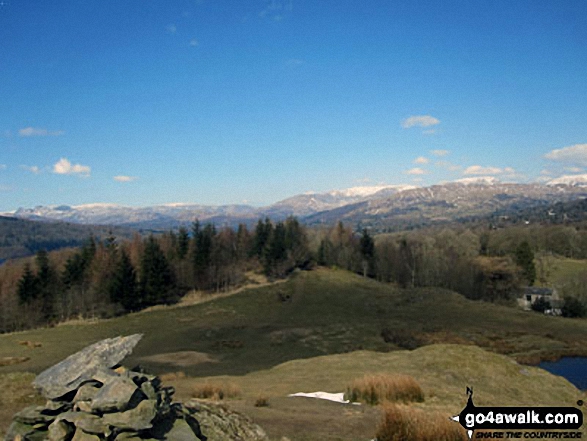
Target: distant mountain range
{"points": [[380, 207]]}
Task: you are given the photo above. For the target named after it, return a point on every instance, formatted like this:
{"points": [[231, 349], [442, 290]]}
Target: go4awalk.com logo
{"points": [[536, 422]]}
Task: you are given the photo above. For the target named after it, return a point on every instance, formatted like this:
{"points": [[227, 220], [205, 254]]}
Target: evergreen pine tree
{"points": [[525, 260], [202, 257], [157, 284], [46, 279], [28, 286], [367, 246], [123, 288], [275, 250], [183, 243], [263, 232]]}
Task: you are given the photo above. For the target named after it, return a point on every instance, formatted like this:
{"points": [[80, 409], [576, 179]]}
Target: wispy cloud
{"points": [[276, 9], [31, 168], [3, 167], [573, 154], [416, 171], [420, 121], [448, 165], [421, 160], [171, 28], [479, 170], [194, 42], [574, 169], [65, 167], [122, 178], [35, 131], [439, 152]]}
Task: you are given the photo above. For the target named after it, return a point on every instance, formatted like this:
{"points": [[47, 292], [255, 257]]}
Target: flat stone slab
{"points": [[82, 366], [114, 396], [137, 419]]}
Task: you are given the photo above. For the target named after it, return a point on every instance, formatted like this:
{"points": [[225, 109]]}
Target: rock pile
{"points": [[90, 398]]}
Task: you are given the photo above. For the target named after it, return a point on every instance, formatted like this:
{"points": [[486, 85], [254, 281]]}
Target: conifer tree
{"points": [[276, 250], [46, 279], [123, 288], [183, 243], [28, 286], [525, 260], [367, 246], [263, 232], [157, 282]]}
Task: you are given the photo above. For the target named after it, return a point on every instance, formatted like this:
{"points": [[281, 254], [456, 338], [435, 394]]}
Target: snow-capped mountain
{"points": [[381, 206], [159, 216], [570, 180], [310, 203], [479, 180], [462, 199]]}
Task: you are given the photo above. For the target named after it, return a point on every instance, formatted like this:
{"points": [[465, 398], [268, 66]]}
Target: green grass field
{"points": [[267, 340], [563, 269]]}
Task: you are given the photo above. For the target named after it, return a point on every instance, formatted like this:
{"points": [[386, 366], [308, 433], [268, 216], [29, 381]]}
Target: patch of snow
{"points": [[337, 397], [369, 190], [573, 180], [488, 180], [96, 205]]}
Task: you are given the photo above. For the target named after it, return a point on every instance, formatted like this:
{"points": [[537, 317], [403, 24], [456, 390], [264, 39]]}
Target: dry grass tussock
{"points": [[172, 376], [401, 423], [381, 388], [262, 401], [216, 391]]}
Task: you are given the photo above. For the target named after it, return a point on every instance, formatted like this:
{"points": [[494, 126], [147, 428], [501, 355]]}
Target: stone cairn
{"points": [[91, 397]]}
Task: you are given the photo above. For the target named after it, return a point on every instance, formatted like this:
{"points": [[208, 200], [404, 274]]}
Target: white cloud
{"points": [[448, 165], [420, 121], [122, 178], [439, 152], [421, 160], [171, 28], [276, 9], [416, 171], [488, 171], [35, 131], [575, 154], [32, 168], [194, 42], [64, 167], [574, 169], [3, 167]]}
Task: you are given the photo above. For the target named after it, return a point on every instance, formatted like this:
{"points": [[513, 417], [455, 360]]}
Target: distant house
{"points": [[532, 293]]}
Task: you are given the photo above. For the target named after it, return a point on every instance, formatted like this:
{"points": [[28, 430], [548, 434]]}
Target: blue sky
{"points": [[143, 102]]}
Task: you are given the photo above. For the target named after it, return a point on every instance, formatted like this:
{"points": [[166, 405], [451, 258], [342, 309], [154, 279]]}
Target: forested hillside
{"points": [[19, 237], [108, 277]]}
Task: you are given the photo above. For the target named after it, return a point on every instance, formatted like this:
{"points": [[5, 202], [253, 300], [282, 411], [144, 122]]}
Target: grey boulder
{"points": [[83, 366]]}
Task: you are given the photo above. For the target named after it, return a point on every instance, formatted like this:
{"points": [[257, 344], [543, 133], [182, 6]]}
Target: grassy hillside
{"points": [[314, 313], [442, 371], [281, 338]]}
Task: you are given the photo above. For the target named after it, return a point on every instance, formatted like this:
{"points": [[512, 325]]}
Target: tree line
{"points": [[109, 277]]}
